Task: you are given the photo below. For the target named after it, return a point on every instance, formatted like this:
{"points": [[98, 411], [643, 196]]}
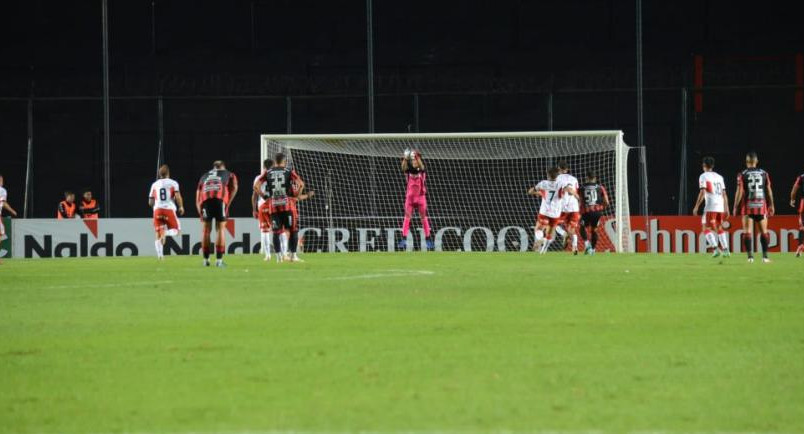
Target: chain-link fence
{"points": [[681, 126]]}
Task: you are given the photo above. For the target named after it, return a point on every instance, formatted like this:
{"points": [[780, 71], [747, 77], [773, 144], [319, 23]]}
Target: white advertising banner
{"points": [[51, 238], [46, 238]]}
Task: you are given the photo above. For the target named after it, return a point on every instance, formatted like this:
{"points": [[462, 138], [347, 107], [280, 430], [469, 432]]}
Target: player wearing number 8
{"points": [[754, 200], [713, 191], [163, 198]]}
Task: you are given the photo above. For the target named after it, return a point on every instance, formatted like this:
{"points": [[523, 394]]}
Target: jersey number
{"points": [[162, 194], [278, 182], [551, 195], [756, 188], [590, 196]]}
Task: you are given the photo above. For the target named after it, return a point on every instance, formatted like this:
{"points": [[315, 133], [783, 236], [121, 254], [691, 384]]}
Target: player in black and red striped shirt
{"points": [[797, 201], [216, 190], [594, 200], [754, 201], [282, 193]]}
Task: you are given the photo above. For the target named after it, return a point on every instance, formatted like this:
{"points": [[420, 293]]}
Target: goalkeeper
{"points": [[416, 195]]}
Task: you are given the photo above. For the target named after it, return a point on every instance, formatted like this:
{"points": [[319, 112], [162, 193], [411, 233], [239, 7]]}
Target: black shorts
{"points": [[284, 220], [213, 209], [591, 218], [756, 217]]}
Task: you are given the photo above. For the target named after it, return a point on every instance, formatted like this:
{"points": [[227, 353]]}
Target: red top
{"points": [[593, 197], [281, 189], [800, 184], [217, 184], [755, 183]]}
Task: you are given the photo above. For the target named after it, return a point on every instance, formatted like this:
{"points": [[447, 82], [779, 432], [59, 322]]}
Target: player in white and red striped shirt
{"points": [[552, 193], [163, 198], [261, 211], [4, 206], [716, 210], [570, 210]]}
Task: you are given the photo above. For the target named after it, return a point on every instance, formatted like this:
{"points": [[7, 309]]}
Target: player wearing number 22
{"points": [[216, 190], [754, 200], [163, 198], [280, 186], [713, 192]]}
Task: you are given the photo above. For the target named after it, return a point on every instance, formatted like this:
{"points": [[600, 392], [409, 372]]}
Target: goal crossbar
{"points": [[403, 136]]}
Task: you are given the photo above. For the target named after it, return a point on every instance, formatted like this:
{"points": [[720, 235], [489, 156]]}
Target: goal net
{"points": [[476, 187]]}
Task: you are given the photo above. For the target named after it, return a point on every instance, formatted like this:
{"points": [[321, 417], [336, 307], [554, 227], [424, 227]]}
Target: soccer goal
{"points": [[476, 186]]}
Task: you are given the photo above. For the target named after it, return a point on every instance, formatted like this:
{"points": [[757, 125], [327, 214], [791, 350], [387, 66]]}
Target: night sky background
{"points": [[226, 68]]}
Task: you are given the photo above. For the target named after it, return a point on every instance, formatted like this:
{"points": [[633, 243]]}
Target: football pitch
{"points": [[403, 342]]}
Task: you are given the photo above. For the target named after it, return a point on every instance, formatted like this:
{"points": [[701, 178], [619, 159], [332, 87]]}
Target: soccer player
{"points": [[570, 210], [415, 196], [4, 206], [88, 208], [796, 195], [552, 194], [303, 195], [216, 190], [754, 200], [163, 197], [594, 200], [713, 192], [283, 186], [66, 209], [261, 209]]}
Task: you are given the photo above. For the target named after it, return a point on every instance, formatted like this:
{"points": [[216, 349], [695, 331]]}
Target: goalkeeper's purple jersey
{"points": [[417, 182]]}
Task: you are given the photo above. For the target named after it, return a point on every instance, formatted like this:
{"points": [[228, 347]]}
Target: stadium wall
{"points": [[46, 238]]}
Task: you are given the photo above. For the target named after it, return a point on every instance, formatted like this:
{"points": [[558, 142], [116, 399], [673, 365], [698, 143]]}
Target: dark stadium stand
{"points": [[225, 70]]}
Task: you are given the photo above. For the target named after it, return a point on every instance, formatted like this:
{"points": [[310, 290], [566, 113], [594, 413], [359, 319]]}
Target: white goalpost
{"points": [[476, 182]]}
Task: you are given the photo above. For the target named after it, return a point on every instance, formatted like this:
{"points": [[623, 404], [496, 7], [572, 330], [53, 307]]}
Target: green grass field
{"points": [[403, 342]]}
